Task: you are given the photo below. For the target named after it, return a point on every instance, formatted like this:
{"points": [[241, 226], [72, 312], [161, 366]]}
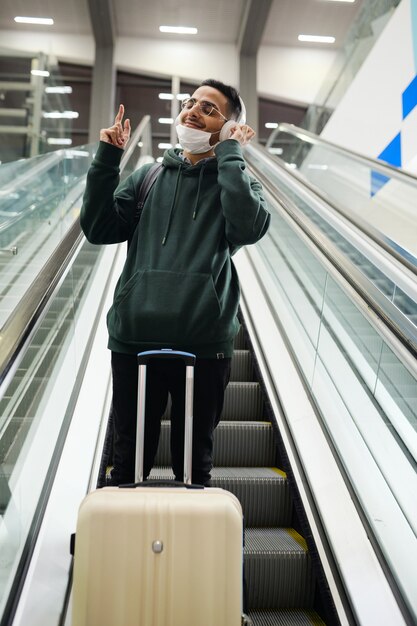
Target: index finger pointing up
{"points": [[120, 114]]}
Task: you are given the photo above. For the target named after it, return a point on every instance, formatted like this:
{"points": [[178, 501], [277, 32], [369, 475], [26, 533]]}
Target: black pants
{"points": [[163, 378]]}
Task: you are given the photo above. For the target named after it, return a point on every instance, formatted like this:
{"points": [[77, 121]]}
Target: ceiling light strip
{"points": [[59, 141], [59, 89], [179, 30], [170, 96], [40, 73], [317, 38], [43, 21]]}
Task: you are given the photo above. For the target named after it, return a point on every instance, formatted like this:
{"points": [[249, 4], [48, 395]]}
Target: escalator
{"points": [[281, 584], [275, 427], [372, 194], [352, 237], [37, 208], [46, 329], [25, 393], [342, 310], [386, 283]]}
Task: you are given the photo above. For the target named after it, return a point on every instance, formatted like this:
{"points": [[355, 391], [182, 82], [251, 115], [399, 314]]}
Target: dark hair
{"points": [[231, 94]]}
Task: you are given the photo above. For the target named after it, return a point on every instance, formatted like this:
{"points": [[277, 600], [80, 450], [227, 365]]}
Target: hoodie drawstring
{"points": [[172, 207], [200, 178], [171, 210]]}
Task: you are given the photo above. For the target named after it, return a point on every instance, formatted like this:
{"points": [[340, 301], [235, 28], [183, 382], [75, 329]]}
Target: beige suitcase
{"points": [[159, 555]]}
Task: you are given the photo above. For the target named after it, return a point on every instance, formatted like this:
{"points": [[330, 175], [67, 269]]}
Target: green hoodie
{"points": [[179, 288]]}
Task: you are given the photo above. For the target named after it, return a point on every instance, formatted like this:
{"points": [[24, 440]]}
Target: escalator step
{"points": [[278, 569], [242, 369], [244, 444], [286, 618], [236, 444], [5, 492], [243, 401], [262, 491]]}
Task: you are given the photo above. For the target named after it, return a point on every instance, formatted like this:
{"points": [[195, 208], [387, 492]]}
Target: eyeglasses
{"points": [[206, 108]]}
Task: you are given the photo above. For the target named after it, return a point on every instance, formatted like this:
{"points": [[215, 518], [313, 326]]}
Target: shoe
{"points": [[110, 479]]}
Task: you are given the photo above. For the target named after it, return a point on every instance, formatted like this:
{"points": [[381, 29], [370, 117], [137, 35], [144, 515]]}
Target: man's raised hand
{"points": [[118, 134], [242, 133]]}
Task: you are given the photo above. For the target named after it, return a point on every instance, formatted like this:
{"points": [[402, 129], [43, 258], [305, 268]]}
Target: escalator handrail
{"points": [[288, 413], [344, 267], [43, 163], [383, 242], [375, 164], [20, 325], [23, 321]]}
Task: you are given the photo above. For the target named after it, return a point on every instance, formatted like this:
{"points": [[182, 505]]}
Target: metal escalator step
{"points": [[5, 492], [237, 444], [262, 491], [161, 473], [243, 397], [242, 370], [244, 444], [243, 401], [278, 569], [13, 438], [285, 618]]}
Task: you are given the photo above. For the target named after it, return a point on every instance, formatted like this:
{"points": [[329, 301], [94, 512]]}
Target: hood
{"points": [[172, 159]]}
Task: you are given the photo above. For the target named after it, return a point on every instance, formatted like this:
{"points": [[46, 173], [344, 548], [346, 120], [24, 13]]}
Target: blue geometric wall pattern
{"points": [[409, 97], [391, 154]]}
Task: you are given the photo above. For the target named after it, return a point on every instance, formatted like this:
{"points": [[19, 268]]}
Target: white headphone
{"points": [[227, 126]]}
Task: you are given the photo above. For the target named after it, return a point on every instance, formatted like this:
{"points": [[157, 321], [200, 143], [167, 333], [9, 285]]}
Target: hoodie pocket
{"points": [[165, 307]]}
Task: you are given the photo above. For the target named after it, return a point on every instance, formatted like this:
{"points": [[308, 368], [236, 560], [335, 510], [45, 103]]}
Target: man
{"points": [[178, 288]]}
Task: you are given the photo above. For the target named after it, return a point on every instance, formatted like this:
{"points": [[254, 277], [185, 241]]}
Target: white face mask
{"points": [[193, 140]]}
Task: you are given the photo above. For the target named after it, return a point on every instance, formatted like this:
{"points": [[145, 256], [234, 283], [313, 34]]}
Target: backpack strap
{"points": [[147, 183]]}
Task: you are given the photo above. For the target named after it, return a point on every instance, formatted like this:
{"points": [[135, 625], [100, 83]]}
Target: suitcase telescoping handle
{"points": [[143, 360]]}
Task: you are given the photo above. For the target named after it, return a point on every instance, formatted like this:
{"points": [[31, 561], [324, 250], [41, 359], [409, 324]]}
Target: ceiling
{"points": [[217, 20]]}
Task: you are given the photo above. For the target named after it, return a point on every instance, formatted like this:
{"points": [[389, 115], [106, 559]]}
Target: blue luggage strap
{"points": [[166, 353]]}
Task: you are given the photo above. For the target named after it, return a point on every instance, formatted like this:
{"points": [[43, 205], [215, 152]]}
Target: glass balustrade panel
{"points": [[35, 413], [35, 404], [384, 202], [405, 305], [363, 391], [40, 200]]}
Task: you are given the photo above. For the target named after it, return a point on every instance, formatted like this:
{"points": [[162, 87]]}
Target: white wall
{"points": [[288, 73], [70, 48], [293, 73], [186, 59]]}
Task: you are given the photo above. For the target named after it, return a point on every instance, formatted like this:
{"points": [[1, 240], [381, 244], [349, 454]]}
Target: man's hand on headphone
{"points": [[242, 133], [118, 134]]}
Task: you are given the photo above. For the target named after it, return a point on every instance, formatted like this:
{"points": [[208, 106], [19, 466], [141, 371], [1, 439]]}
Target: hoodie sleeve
{"points": [[243, 204], [108, 209]]}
